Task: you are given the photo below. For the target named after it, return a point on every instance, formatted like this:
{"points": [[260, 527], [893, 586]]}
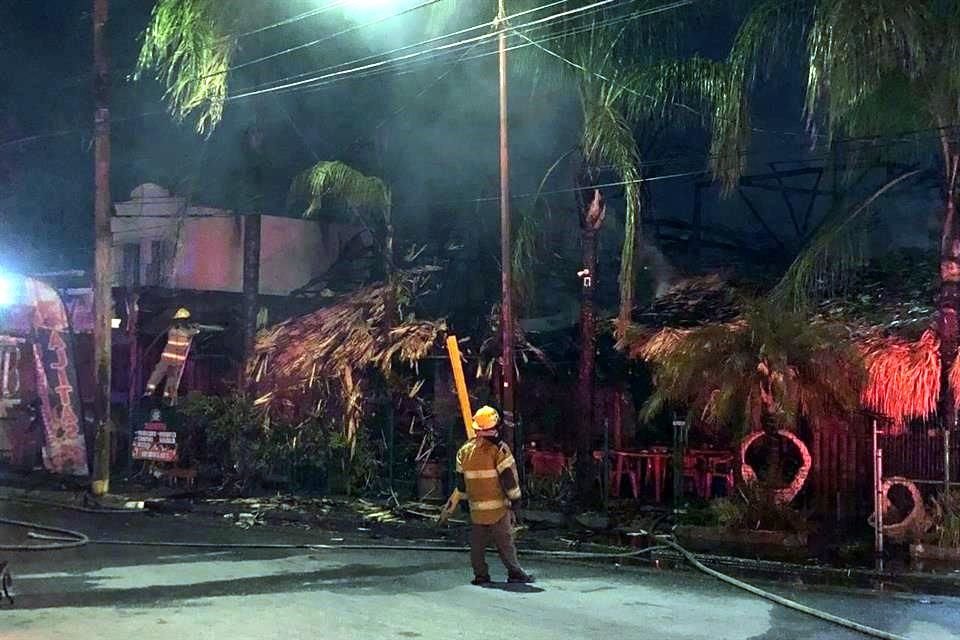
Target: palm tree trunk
{"points": [[948, 306], [591, 220]]}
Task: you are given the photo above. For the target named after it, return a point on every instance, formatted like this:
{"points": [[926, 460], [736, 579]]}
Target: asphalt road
{"points": [[114, 593]]}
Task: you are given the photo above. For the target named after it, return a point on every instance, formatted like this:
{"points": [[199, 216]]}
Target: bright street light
{"points": [[8, 290], [373, 8]]}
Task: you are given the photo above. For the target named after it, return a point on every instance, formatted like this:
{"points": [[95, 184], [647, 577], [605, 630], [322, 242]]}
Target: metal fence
{"points": [[918, 456]]}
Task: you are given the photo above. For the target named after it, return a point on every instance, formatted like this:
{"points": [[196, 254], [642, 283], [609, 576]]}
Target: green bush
{"points": [[946, 519], [551, 492], [754, 507]]}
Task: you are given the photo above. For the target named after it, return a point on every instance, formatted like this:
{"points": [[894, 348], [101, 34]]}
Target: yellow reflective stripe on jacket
{"points": [[514, 494], [505, 464], [488, 505], [483, 473]]}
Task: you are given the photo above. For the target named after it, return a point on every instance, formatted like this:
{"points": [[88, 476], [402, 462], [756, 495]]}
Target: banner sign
{"points": [[155, 443], [64, 449]]}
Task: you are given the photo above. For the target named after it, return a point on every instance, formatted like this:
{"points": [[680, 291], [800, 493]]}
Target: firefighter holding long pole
{"points": [[487, 476]]}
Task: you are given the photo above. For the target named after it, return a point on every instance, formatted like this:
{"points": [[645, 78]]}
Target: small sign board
{"points": [[155, 443]]}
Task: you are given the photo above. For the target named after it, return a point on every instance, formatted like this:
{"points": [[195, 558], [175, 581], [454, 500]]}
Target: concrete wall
{"points": [[182, 246]]}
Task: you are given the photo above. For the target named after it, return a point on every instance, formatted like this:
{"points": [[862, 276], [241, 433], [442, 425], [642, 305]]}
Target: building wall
{"points": [[162, 240]]}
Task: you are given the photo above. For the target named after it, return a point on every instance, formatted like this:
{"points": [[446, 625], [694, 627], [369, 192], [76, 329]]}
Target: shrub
{"points": [[946, 519], [754, 507]]}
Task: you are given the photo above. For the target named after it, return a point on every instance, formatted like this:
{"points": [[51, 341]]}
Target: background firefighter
{"points": [[174, 357], [487, 474]]}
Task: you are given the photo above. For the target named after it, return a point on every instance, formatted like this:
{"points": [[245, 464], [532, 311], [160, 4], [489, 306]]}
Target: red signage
{"points": [[155, 443]]}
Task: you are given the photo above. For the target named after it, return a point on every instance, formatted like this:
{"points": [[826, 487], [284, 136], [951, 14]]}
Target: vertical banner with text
{"points": [[64, 449]]}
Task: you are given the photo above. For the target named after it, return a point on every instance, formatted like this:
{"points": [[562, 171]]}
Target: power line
{"points": [[403, 48], [891, 141], [297, 18], [327, 38], [382, 63], [406, 67]]}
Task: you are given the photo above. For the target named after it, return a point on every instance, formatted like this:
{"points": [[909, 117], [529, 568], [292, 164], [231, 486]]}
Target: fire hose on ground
{"points": [[68, 539]]}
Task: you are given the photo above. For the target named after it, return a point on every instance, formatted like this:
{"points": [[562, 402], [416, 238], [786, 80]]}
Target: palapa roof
{"points": [[332, 349], [888, 310]]}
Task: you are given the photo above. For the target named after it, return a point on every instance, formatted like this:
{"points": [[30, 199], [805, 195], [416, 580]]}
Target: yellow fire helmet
{"points": [[485, 418], [182, 314]]}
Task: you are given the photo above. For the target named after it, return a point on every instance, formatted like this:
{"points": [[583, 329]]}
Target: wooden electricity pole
{"points": [[103, 272], [508, 377]]}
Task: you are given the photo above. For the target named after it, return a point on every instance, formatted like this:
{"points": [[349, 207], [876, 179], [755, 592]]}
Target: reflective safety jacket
{"points": [[488, 473], [179, 339]]}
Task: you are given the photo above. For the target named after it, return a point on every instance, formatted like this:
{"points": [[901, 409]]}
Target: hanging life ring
{"points": [[786, 494]]}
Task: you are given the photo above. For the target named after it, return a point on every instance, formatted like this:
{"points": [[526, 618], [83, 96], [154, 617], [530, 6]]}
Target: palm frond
{"points": [[187, 47], [337, 180], [854, 46], [529, 247], [608, 139], [717, 371], [835, 251]]}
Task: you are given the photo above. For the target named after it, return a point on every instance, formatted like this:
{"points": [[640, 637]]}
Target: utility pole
{"points": [[508, 377], [103, 272]]}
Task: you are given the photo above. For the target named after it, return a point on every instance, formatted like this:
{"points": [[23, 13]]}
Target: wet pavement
{"points": [[111, 592]]}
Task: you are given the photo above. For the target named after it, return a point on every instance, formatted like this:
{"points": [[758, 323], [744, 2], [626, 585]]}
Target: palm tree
{"points": [[873, 68], [759, 372], [366, 199]]}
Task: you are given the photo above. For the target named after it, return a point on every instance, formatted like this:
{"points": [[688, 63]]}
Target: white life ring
{"points": [[786, 494]]}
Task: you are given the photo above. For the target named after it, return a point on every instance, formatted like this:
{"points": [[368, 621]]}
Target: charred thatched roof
{"points": [[331, 351], [692, 302]]}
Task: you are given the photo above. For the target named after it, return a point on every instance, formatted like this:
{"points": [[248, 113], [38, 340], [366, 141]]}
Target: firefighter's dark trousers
{"points": [[168, 371], [501, 533]]}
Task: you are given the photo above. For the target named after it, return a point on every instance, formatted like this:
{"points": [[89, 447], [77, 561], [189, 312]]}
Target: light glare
{"points": [[8, 290]]}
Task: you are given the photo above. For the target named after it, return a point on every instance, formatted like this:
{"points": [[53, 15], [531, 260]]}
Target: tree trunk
{"points": [[103, 272], [251, 288], [590, 223], [948, 305]]}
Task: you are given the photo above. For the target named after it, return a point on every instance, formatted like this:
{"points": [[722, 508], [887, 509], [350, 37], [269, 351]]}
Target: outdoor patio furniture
{"points": [[720, 466], [703, 465], [641, 467]]}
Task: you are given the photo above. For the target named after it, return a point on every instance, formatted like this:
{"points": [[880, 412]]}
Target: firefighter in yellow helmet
{"points": [[174, 357], [487, 474]]}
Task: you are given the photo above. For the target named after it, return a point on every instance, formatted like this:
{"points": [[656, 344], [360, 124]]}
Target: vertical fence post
{"points": [[679, 448], [521, 463], [605, 477], [946, 460], [877, 492], [391, 440]]}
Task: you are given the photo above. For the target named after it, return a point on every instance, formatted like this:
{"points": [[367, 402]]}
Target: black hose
{"points": [[73, 538]]}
